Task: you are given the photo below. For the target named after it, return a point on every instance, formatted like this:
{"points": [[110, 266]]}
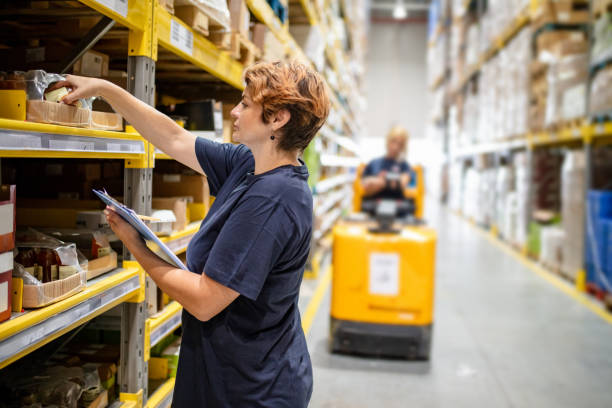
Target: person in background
{"points": [[387, 176]]}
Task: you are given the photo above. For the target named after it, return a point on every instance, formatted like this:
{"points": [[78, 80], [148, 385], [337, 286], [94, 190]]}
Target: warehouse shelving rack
{"points": [[149, 27], [585, 132]]}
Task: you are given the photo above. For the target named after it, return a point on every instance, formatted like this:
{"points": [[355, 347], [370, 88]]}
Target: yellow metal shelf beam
{"points": [[204, 54], [310, 11], [105, 292], [136, 12], [162, 397]]}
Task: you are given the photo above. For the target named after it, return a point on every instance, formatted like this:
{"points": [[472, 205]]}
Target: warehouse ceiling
{"points": [[399, 10]]}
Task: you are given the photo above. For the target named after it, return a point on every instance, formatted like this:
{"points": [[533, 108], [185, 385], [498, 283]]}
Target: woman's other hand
{"points": [[124, 231]]}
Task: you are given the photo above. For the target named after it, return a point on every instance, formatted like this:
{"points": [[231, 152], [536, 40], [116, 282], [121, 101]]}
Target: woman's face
{"points": [[249, 128], [396, 145]]}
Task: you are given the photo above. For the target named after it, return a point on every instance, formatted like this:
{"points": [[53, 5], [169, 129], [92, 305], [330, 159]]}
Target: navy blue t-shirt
{"points": [[255, 240], [392, 166]]}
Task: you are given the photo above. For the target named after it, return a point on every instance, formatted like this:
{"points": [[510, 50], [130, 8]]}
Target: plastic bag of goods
{"points": [[51, 270], [601, 92]]}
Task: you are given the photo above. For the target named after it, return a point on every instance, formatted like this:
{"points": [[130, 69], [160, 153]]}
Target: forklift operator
{"points": [[386, 177]]}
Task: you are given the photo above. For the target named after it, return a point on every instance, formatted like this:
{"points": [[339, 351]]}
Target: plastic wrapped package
{"points": [[472, 45], [503, 187], [573, 180], [601, 91], [436, 59], [215, 9], [522, 207], [602, 38], [567, 81], [51, 269], [551, 247]]}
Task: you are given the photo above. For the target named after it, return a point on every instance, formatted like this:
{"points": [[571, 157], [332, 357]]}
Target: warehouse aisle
{"points": [[504, 337]]}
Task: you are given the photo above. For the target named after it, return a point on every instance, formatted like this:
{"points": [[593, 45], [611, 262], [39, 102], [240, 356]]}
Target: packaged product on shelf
{"points": [[94, 244], [538, 94], [43, 103], [573, 180], [522, 202], [217, 11], [94, 219], [598, 246], [472, 47], [163, 221], [171, 353], [51, 269], [567, 81], [92, 64], [561, 12], [6, 285], [178, 206], [7, 217], [503, 187], [193, 17], [184, 185], [311, 41], [602, 38], [546, 180], [168, 5], [551, 247], [601, 92]]}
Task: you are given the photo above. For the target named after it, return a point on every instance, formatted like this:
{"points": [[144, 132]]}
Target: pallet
{"points": [[596, 291], [565, 13], [238, 45], [602, 117]]}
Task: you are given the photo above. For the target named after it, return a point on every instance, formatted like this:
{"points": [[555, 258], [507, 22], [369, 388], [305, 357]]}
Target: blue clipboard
{"points": [[152, 241]]}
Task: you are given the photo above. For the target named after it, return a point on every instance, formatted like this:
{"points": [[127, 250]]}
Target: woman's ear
{"points": [[280, 119]]}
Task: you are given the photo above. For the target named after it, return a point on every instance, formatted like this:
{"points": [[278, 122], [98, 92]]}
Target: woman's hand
{"points": [[124, 231], [82, 87]]}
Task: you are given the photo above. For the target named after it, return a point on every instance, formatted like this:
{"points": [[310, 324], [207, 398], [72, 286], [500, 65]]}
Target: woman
{"points": [[243, 345]]}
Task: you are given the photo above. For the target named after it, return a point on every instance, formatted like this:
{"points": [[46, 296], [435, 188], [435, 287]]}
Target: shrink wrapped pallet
{"points": [[567, 82], [551, 247], [573, 180], [601, 92]]}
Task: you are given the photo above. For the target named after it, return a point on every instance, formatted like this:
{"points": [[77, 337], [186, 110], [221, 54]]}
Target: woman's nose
{"points": [[234, 112]]}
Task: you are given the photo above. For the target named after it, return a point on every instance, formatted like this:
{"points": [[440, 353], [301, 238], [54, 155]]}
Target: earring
{"points": [[272, 137]]}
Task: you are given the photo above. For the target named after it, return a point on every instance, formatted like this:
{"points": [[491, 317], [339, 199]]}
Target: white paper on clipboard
{"points": [[153, 242]]}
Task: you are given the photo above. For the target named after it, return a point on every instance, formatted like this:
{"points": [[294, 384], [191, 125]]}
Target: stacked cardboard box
{"points": [[561, 12], [546, 179], [538, 94]]}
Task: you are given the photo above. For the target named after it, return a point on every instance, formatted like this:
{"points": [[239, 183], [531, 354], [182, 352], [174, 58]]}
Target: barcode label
{"points": [[181, 37], [71, 145], [118, 6], [118, 147]]}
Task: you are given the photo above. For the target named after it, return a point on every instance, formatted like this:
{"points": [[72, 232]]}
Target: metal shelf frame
{"points": [[33, 329]]}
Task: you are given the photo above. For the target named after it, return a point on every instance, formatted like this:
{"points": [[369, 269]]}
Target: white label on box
{"points": [[7, 219], [71, 145], [3, 296], [171, 178], [181, 37], [6, 262], [118, 6], [384, 273], [564, 16]]}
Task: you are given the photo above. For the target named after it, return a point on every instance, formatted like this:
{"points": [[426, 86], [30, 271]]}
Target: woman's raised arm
{"points": [[153, 125]]}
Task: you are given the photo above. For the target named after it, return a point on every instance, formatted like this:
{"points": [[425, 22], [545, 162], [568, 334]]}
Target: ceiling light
{"points": [[399, 11]]}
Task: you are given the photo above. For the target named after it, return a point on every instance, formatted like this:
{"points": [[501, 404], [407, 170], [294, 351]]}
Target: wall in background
{"points": [[395, 87]]}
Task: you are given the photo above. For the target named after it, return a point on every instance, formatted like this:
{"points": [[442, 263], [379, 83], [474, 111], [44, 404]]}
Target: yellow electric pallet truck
{"points": [[383, 276]]}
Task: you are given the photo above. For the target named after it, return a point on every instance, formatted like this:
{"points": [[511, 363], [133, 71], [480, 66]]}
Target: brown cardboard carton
{"points": [[259, 35], [178, 205], [6, 282], [93, 64], [98, 266], [57, 114], [193, 17], [181, 185], [168, 5], [7, 217], [239, 16], [106, 121]]}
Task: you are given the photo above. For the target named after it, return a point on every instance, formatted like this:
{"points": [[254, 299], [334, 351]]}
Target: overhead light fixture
{"points": [[399, 11]]}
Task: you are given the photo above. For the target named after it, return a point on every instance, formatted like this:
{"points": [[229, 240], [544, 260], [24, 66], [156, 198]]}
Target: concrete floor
{"points": [[503, 337]]}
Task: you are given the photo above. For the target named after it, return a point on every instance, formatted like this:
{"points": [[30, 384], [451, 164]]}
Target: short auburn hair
{"points": [[295, 87]]}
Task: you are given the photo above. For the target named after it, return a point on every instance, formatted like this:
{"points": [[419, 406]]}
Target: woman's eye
{"points": [[244, 104]]}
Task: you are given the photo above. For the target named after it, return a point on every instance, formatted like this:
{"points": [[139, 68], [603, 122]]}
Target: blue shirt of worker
{"points": [[254, 240], [376, 166]]}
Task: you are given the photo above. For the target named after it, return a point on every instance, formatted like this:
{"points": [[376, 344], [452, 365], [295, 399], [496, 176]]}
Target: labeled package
{"points": [[7, 217], [51, 270], [6, 270]]}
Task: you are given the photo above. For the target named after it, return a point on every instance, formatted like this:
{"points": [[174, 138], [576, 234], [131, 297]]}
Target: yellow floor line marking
{"points": [[315, 301], [546, 275]]}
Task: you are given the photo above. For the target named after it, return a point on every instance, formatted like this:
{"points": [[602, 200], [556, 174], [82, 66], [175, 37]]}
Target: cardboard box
{"points": [[92, 64], [181, 185], [178, 205], [57, 114], [193, 17], [258, 35], [6, 285], [47, 293], [164, 223], [90, 171], [91, 219], [168, 5], [239, 17], [101, 400], [7, 217], [98, 266], [106, 121]]}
